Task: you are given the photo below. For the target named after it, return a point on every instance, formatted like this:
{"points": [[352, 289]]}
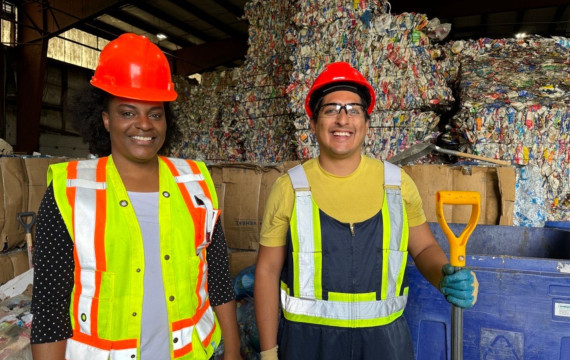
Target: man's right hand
{"points": [[270, 354], [459, 286]]}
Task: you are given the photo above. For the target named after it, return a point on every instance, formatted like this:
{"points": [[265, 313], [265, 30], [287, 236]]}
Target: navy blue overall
{"points": [[351, 261]]}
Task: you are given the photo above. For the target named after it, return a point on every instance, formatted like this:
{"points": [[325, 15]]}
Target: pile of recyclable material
{"points": [[240, 114], [232, 118], [394, 52], [255, 113], [515, 105]]}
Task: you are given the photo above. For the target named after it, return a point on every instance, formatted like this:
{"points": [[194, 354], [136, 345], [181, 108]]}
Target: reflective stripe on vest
{"points": [[196, 196], [86, 193], [351, 310]]}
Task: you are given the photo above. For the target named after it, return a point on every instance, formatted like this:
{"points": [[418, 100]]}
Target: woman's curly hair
{"points": [[88, 121]]}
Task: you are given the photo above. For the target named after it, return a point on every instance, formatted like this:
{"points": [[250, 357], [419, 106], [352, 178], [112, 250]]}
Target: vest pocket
{"points": [[188, 282], [95, 302]]}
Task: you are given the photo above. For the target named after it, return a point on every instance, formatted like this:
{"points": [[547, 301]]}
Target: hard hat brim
{"points": [[143, 94]]}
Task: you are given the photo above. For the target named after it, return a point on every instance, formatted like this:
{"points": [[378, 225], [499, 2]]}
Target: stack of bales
{"points": [[240, 114], [394, 52], [515, 105]]}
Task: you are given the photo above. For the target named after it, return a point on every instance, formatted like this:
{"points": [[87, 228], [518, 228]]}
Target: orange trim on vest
{"points": [[100, 221], [100, 259], [198, 215], [203, 184], [104, 344], [183, 351], [190, 322], [181, 324]]}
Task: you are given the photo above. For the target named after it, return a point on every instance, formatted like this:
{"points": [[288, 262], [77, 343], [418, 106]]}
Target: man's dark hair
{"points": [[88, 121], [317, 97]]}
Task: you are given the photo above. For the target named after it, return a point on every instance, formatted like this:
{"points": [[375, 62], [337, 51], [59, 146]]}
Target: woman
{"points": [[130, 260]]}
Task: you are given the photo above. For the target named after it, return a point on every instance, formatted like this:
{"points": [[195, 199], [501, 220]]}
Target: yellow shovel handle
{"points": [[457, 245]]}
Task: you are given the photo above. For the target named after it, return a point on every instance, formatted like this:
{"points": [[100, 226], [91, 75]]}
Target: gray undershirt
{"points": [[155, 337]]}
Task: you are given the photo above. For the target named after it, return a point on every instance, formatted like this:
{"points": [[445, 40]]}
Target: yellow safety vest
{"points": [[106, 302], [302, 296]]}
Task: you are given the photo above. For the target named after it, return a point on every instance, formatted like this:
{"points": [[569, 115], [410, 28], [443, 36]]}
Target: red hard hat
{"points": [[340, 72], [133, 67]]}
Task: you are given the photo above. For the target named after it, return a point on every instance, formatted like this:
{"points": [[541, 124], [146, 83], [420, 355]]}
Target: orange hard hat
{"points": [[340, 72], [131, 66]]}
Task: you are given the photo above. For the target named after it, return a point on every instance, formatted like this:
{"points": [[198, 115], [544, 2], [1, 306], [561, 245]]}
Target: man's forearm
{"points": [[266, 309]]}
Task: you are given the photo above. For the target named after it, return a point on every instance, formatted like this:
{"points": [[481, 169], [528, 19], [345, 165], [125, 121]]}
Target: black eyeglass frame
{"points": [[346, 107]]}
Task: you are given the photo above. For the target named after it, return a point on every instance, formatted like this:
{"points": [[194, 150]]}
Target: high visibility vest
{"points": [[303, 297], [107, 297]]}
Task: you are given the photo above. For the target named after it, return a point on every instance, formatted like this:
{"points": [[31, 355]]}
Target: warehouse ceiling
{"points": [[202, 35]]}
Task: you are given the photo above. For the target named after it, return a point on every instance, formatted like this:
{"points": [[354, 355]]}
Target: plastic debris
{"points": [[515, 105]]}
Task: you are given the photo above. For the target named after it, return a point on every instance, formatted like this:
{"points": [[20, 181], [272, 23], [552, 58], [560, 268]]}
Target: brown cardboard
{"points": [[507, 181], [242, 192], [495, 185], [14, 197], [241, 187], [19, 259], [270, 174], [6, 269], [239, 260], [36, 176]]}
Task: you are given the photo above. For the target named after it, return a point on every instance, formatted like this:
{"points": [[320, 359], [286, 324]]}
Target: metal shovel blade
{"points": [[414, 152]]}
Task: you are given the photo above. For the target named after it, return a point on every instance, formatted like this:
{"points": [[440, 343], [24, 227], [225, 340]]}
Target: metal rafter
{"points": [[150, 9], [237, 11], [204, 16], [100, 29], [148, 27]]}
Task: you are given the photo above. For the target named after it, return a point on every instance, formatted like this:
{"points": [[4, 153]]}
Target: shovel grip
{"points": [[457, 244]]}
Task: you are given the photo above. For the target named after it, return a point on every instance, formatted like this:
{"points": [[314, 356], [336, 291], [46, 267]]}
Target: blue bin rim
{"points": [[565, 225]]}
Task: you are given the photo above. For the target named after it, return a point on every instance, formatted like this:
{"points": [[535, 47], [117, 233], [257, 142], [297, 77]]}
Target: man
{"points": [[335, 238]]}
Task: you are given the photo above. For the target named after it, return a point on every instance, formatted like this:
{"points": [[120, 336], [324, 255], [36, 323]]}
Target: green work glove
{"points": [[460, 287]]}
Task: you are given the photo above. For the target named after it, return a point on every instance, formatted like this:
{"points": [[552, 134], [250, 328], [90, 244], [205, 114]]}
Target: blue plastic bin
{"points": [[563, 225], [523, 308]]}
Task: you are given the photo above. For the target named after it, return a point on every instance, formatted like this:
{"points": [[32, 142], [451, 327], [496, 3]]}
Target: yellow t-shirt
{"points": [[349, 199]]}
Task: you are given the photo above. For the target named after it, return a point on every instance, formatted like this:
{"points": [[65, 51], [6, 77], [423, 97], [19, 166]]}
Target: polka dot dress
{"points": [[53, 275], [220, 285], [54, 265]]}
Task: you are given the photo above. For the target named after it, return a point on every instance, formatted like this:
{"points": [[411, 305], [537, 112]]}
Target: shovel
{"points": [[420, 150], [457, 247], [28, 227]]}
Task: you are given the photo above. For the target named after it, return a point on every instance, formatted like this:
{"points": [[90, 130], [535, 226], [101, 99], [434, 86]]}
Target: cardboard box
{"points": [[496, 185], [240, 260], [36, 177], [240, 185], [14, 200], [19, 259], [36, 181], [13, 264], [242, 191]]}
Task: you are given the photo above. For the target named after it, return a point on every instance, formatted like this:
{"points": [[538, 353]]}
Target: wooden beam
{"points": [[206, 57]]}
